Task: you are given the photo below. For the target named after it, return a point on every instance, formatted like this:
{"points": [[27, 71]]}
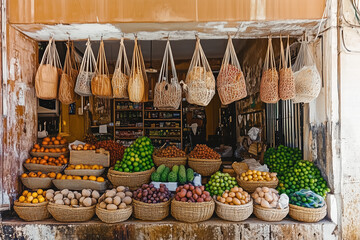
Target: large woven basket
{"points": [[169, 162], [55, 146], [74, 184], [49, 154], [84, 172], [35, 183], [33, 167], [250, 187], [151, 211], [235, 213], [114, 216], [64, 213], [192, 212], [270, 214], [309, 215], [205, 167], [132, 180], [31, 212]]}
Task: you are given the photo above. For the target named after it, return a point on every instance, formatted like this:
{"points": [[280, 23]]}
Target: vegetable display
{"points": [[219, 183], [281, 158], [70, 177], [253, 175], [236, 196], [116, 198], [116, 150], [137, 157], [85, 198], [149, 194], [33, 197], [176, 174], [266, 197], [84, 147], [201, 151], [84, 166], [170, 152], [307, 198], [190, 193]]}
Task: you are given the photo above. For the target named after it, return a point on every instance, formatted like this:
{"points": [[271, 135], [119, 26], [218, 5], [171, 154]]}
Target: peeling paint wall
{"points": [[19, 125]]}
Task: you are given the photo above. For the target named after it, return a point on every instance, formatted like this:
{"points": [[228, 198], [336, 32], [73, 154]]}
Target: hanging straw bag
{"points": [[167, 94], [86, 73], [307, 77], [67, 80], [269, 92], [101, 84], [120, 79], [286, 75], [231, 82], [199, 85], [75, 61], [47, 75], [138, 88]]}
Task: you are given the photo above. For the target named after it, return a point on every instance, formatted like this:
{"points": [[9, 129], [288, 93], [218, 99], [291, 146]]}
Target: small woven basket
{"points": [[151, 211], [132, 180], [64, 213], [310, 215], [33, 167], [192, 212], [75, 184], [270, 214], [205, 167], [250, 187], [32, 212], [84, 172], [49, 154], [234, 213], [114, 216], [169, 162], [35, 183]]}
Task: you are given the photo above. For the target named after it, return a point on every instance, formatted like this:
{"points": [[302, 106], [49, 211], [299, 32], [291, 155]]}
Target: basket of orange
{"points": [[54, 142], [55, 151], [32, 206], [63, 181], [84, 170], [46, 164], [37, 180]]}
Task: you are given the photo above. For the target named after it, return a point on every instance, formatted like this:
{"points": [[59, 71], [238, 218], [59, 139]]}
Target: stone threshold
{"points": [[215, 228]]}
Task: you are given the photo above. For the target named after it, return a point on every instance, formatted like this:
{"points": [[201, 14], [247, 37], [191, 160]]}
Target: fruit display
{"points": [[201, 151], [236, 196], [38, 174], [149, 194], [307, 198], [190, 193], [280, 159], [255, 176], [33, 197], [60, 176], [53, 141], [116, 198], [266, 197], [85, 198], [90, 138], [137, 157], [170, 152], [84, 166], [62, 160], [116, 150], [81, 147], [38, 149], [176, 174], [220, 182]]}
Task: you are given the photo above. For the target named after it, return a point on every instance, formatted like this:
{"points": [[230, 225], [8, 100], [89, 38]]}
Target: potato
{"points": [[93, 201], [258, 200], [120, 189], [65, 192], [229, 199], [127, 200], [231, 194], [66, 201], [273, 204], [71, 195], [81, 199], [102, 205], [265, 203], [49, 195], [85, 193], [95, 194], [265, 189], [261, 194], [109, 200], [58, 196], [122, 205], [255, 195], [57, 192], [110, 193], [78, 196], [74, 202], [268, 197], [117, 200], [121, 194], [59, 201], [50, 191], [111, 207], [258, 189], [236, 201], [87, 202], [130, 194]]}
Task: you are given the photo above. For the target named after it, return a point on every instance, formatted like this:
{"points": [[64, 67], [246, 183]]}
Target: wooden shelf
{"points": [[161, 110], [128, 110], [156, 137], [163, 120], [126, 138], [99, 126], [171, 128], [130, 128]]}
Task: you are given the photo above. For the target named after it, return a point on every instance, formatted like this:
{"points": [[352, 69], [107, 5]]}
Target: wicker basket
{"points": [[64, 213], [84, 172], [55, 146], [113, 216], [74, 184], [192, 212], [35, 183], [310, 215], [250, 187], [205, 167], [49, 154], [32, 212], [151, 211], [132, 180], [234, 213], [33, 167], [270, 214], [169, 162]]}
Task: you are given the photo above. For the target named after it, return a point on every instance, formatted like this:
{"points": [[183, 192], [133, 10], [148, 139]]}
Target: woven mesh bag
{"points": [[67, 80], [286, 75], [120, 79]]}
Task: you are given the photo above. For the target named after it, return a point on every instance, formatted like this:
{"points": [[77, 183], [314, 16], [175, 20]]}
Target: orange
{"points": [[85, 177], [41, 199], [53, 139], [100, 179], [25, 193], [44, 143], [52, 175], [35, 200], [21, 199], [78, 167], [58, 176], [43, 175], [40, 191], [34, 194], [92, 178], [95, 167], [101, 167], [69, 177], [63, 177], [30, 198], [58, 137], [47, 139], [77, 177], [24, 175], [28, 194], [56, 142]]}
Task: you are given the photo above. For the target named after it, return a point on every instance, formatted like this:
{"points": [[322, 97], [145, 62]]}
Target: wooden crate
{"points": [[90, 157]]}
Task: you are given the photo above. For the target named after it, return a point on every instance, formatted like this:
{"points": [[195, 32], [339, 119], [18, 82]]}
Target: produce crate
{"points": [[90, 157]]}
